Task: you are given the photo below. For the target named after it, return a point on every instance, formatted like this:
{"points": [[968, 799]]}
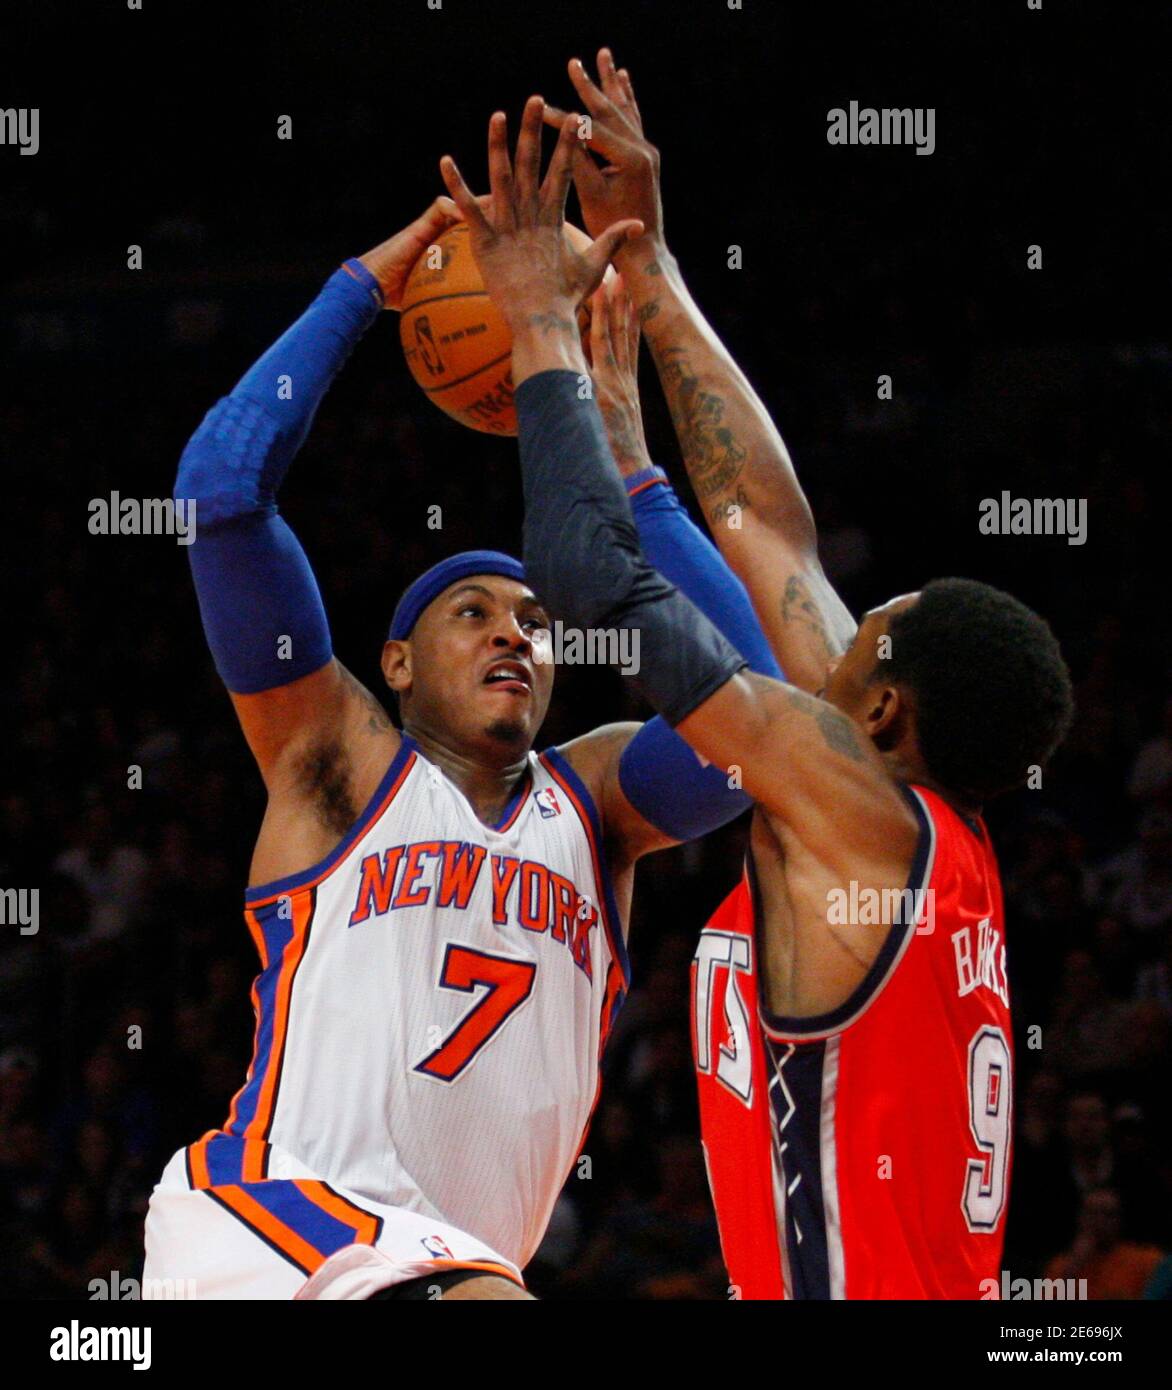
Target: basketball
{"points": [[455, 339]]}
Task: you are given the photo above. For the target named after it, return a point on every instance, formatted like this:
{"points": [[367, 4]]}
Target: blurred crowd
{"points": [[130, 802]]}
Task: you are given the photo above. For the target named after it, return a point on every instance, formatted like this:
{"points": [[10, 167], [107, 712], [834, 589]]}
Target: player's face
{"points": [[472, 666], [850, 683]]}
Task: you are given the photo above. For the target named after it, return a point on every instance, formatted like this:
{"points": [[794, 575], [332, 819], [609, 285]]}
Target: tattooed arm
{"points": [[736, 459]]}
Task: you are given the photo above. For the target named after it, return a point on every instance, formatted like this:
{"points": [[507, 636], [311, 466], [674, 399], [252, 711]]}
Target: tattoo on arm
{"points": [[553, 323], [838, 732], [649, 310], [713, 456], [624, 439], [798, 606], [378, 719]]}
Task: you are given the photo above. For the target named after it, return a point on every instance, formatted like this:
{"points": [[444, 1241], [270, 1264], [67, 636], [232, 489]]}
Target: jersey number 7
{"points": [[508, 983]]}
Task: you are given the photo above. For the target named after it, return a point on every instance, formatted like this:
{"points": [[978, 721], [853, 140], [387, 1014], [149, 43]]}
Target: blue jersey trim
{"points": [[614, 922], [820, 1026], [316, 871]]}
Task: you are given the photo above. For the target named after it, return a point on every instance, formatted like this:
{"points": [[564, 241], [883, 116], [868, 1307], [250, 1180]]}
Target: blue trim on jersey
{"points": [[614, 921], [277, 932], [834, 1020], [519, 793], [796, 1102], [516, 796], [345, 844]]}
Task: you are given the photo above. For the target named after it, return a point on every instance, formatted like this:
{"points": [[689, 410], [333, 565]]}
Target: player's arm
{"points": [[798, 757], [259, 601], [580, 539], [736, 459], [652, 789]]}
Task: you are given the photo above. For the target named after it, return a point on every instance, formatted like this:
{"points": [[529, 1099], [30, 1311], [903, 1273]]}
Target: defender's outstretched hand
{"points": [[628, 184], [534, 276], [614, 359]]}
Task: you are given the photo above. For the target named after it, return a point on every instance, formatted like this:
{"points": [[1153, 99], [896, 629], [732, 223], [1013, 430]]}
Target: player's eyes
{"points": [[473, 608]]}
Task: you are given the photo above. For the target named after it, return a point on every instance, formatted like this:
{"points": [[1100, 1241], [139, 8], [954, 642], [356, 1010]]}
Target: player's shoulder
{"points": [[594, 757]]}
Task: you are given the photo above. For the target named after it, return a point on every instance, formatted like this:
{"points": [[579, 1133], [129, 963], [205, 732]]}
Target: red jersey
{"points": [[865, 1153]]}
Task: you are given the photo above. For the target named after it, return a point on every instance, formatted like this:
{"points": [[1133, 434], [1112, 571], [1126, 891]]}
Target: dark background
{"points": [[158, 128]]}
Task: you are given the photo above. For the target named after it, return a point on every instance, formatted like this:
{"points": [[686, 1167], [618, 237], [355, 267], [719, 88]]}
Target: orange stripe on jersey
{"points": [[366, 1226], [291, 958], [595, 855], [197, 1162], [286, 1240], [487, 1265], [255, 1155], [353, 835], [262, 950]]}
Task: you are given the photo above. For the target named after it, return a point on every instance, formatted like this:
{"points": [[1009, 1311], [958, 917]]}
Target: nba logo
{"points": [[547, 803], [434, 1246]]}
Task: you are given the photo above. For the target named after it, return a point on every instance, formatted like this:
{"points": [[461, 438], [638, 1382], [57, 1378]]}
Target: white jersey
{"points": [[432, 1007]]}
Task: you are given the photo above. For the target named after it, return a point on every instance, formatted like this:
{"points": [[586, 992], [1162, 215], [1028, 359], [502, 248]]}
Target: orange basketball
{"points": [[456, 342]]}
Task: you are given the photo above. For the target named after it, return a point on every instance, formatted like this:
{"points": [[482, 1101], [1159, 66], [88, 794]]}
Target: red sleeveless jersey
{"points": [[865, 1153]]}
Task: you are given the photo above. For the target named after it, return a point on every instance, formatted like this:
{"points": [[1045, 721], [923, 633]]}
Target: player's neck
{"points": [[911, 770], [487, 783]]}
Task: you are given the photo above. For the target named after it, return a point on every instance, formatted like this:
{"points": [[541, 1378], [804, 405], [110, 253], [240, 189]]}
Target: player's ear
{"points": [[396, 665], [885, 714]]}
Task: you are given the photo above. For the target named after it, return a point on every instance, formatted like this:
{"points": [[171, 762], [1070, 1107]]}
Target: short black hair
{"points": [[991, 690]]}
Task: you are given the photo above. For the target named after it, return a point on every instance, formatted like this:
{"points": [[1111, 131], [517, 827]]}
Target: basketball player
{"points": [[439, 912], [851, 1013]]}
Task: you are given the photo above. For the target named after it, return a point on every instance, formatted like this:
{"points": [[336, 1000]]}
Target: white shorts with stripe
{"points": [[293, 1236]]}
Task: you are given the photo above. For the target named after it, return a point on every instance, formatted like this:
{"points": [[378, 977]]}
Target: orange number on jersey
{"points": [[509, 983]]}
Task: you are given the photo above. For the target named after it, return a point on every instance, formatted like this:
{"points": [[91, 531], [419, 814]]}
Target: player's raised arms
{"points": [[800, 758], [320, 739], [734, 454]]}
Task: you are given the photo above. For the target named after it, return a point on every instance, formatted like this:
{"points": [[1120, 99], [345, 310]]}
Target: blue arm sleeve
{"points": [[665, 781], [261, 609]]}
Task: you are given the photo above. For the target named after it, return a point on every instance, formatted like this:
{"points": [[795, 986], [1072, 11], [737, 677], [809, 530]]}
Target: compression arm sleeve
{"points": [[665, 781], [582, 555], [261, 609]]}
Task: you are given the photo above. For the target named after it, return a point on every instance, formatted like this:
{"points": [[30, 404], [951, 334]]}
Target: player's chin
{"points": [[510, 733]]}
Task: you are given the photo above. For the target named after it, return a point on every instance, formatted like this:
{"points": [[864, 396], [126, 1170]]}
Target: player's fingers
{"points": [[612, 142], [441, 210], [634, 115], [500, 172], [605, 245], [608, 78], [593, 97], [527, 167], [588, 177], [556, 188], [468, 206]]}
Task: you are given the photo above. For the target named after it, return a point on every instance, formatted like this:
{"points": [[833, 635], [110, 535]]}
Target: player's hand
{"points": [[528, 267], [392, 262], [628, 184], [614, 358]]}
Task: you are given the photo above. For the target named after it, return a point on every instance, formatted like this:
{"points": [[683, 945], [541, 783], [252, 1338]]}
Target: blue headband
{"points": [[434, 581]]}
